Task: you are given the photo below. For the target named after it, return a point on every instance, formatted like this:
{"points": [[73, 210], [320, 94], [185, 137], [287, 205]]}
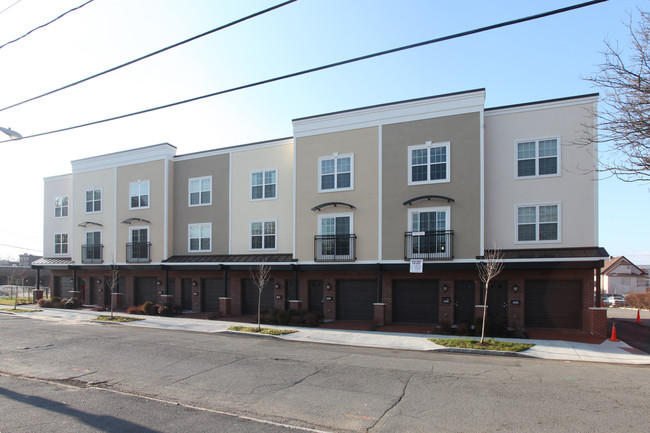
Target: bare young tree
{"points": [[113, 281], [488, 268], [260, 277], [624, 116]]}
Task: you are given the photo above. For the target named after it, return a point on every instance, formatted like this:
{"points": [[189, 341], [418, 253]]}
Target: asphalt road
{"points": [[325, 387]]}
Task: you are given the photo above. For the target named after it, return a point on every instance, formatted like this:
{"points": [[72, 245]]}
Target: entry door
{"points": [[464, 302], [139, 240], [186, 293], [433, 224], [335, 232], [291, 293], [315, 293], [498, 302]]}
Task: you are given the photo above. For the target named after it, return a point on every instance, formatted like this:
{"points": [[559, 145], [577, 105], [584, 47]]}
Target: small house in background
{"points": [[621, 276]]}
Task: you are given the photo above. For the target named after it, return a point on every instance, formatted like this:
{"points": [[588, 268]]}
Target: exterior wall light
{"points": [[328, 286], [515, 288], [158, 283], [99, 281], [193, 283], [277, 285], [445, 288]]}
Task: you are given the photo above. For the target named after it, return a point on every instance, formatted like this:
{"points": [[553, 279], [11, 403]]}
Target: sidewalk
{"points": [[608, 351]]}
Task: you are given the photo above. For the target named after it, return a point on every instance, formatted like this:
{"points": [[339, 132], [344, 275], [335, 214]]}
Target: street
{"points": [[324, 387]]}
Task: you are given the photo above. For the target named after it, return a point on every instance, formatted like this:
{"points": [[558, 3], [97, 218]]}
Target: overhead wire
{"points": [[44, 25], [115, 68], [10, 6], [324, 67]]}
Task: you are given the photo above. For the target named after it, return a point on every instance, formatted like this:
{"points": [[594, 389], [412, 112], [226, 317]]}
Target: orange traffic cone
{"points": [[638, 316], [613, 333]]}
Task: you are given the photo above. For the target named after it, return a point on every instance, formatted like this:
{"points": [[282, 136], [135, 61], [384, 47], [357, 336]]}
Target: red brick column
{"points": [[225, 306], [380, 313], [597, 321], [446, 302], [295, 304], [118, 300]]}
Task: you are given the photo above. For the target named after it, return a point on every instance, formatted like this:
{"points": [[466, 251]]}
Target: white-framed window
{"points": [[336, 172], [335, 234], [264, 184], [429, 163], [429, 232], [60, 243], [263, 235], [537, 222], [93, 200], [138, 250], [200, 191], [537, 157], [139, 194], [199, 237], [92, 251], [61, 207]]}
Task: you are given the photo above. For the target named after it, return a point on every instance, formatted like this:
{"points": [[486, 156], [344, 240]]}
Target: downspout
{"points": [[225, 280]]}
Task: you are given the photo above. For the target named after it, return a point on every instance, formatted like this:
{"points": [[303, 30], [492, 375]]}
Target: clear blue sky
{"points": [[533, 61]]}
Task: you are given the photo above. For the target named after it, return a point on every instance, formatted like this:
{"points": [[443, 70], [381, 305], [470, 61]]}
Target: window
{"points": [[538, 223], [263, 184], [61, 243], [92, 250], [199, 237], [139, 195], [430, 234], [263, 235], [537, 158], [336, 173], [138, 249], [93, 200], [428, 163], [60, 207], [335, 234], [200, 191]]}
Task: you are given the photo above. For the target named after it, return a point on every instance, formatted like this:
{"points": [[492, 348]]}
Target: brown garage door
{"points": [[213, 288], [145, 289], [415, 301], [354, 299], [250, 294], [553, 304], [62, 286]]}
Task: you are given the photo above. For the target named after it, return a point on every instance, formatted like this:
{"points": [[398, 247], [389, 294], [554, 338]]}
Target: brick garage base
{"points": [[597, 322]]}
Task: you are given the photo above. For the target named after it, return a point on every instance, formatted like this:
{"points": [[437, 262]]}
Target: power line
{"points": [[43, 25], [10, 6], [321, 68], [21, 248], [115, 68]]}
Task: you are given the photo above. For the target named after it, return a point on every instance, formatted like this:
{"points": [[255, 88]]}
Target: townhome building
{"points": [[377, 214]]}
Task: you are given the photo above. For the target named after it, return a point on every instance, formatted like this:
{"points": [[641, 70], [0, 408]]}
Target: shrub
{"points": [[134, 309], [268, 317], [56, 302], [72, 303], [311, 319], [165, 310], [283, 317], [295, 319], [146, 307], [44, 303], [178, 309], [638, 300]]}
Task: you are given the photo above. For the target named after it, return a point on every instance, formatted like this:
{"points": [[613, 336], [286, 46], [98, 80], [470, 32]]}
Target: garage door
{"points": [[250, 294], [62, 286], [145, 289], [354, 299], [213, 289], [415, 301], [553, 304]]}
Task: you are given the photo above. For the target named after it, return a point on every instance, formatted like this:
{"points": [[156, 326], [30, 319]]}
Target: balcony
{"points": [[138, 252], [335, 248], [92, 253], [438, 245]]}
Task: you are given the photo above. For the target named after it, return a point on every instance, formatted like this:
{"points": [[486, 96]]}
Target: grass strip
{"points": [[20, 310], [11, 301], [266, 331], [468, 343], [120, 319]]}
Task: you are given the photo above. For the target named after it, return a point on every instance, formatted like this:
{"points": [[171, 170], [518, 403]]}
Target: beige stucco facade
{"points": [[244, 209], [56, 187], [362, 144], [574, 188]]}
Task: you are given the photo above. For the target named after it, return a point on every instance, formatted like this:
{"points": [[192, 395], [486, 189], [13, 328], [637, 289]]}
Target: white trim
{"points": [[335, 156], [407, 111], [295, 209], [189, 239], [134, 228], [445, 209], [234, 149], [189, 191], [229, 205], [536, 106], [126, 157], [429, 145], [139, 183], [250, 234], [250, 184], [114, 258], [165, 212], [101, 200], [335, 215], [536, 141], [380, 188], [482, 183], [537, 205]]}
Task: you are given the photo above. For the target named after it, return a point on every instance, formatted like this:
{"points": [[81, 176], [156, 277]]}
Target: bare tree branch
{"points": [[488, 268]]}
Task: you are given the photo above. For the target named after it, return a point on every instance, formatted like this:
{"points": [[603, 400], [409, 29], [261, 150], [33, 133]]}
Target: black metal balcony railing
{"points": [[91, 253], [138, 252], [438, 245], [335, 248]]}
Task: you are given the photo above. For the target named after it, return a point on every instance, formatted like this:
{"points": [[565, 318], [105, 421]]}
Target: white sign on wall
{"points": [[416, 266]]}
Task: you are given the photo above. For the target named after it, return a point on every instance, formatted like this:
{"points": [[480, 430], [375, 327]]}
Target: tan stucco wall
{"points": [[53, 188], [280, 209], [154, 172], [463, 133], [575, 189], [363, 143], [216, 166]]}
